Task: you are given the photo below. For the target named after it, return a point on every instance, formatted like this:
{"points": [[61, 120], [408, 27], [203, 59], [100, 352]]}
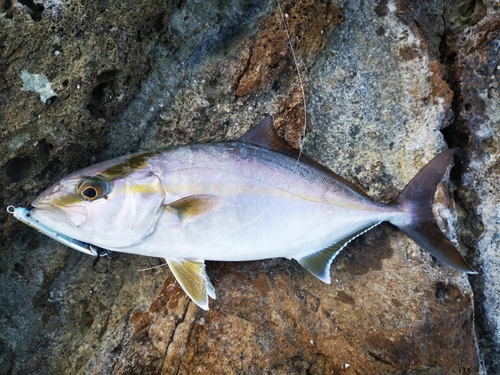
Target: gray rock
{"points": [[475, 81]]}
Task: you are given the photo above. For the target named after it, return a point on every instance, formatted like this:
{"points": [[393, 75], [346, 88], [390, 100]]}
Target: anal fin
{"points": [[193, 279], [318, 263]]}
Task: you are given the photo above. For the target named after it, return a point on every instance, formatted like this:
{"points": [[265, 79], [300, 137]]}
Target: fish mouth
{"points": [[43, 202], [56, 217], [39, 203]]}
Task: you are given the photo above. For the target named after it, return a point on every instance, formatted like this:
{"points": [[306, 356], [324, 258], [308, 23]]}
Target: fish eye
{"points": [[92, 188], [90, 192]]}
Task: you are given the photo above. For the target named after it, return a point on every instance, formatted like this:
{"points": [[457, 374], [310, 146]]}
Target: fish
{"points": [[251, 199]]}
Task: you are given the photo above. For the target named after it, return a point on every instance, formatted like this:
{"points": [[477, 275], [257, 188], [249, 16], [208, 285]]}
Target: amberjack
{"points": [[252, 199]]}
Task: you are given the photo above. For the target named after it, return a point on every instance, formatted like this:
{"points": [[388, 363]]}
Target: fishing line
{"points": [[295, 60], [299, 75], [152, 268], [303, 133]]}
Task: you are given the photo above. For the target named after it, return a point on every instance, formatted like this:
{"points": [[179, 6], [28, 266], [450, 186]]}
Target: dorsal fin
{"points": [[264, 135]]}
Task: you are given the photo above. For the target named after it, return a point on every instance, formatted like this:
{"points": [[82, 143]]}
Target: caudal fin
{"points": [[417, 199]]}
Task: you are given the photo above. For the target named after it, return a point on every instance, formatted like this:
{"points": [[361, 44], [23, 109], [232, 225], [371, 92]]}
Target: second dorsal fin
{"points": [[264, 135]]}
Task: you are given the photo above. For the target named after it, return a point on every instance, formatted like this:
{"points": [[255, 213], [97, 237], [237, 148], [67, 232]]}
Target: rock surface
{"points": [[473, 54], [381, 79]]}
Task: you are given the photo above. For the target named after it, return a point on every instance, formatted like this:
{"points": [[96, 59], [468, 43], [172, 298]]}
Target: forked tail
{"points": [[417, 199]]}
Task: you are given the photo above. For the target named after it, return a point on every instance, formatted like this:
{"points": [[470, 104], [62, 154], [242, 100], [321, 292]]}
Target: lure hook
{"points": [[101, 253]]}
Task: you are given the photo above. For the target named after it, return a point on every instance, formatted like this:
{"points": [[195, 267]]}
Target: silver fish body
{"points": [[253, 204], [232, 201]]}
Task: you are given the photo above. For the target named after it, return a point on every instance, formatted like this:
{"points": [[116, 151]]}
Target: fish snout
{"points": [[46, 198], [39, 202], [43, 201], [58, 196]]}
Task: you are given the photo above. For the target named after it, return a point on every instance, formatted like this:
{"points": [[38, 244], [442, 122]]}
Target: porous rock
{"points": [[476, 81], [378, 95]]}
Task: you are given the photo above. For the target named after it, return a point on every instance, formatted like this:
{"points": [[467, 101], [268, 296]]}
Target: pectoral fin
{"points": [[318, 263], [195, 205], [193, 279]]}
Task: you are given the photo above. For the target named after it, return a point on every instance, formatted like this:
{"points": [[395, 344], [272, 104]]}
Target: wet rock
{"points": [[377, 81]]}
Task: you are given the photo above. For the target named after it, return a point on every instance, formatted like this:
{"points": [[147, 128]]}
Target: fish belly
{"points": [[261, 229]]}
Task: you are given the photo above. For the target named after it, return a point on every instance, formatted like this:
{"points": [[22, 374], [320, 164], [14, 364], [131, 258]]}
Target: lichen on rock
{"points": [[38, 83]]}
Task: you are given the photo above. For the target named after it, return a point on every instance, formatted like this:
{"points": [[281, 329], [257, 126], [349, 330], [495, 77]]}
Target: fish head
{"points": [[112, 205]]}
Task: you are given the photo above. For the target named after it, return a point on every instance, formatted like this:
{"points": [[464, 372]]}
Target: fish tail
{"points": [[420, 225]]}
